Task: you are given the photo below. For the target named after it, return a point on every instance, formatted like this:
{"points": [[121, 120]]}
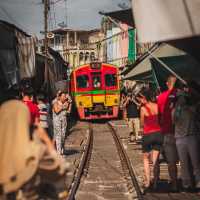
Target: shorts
{"points": [[153, 141], [169, 148], [134, 125]]}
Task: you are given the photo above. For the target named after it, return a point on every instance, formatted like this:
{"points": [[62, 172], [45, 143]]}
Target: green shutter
{"points": [[131, 46]]}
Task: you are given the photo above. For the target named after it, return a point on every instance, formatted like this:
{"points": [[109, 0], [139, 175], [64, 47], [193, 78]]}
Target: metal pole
{"points": [[45, 38]]}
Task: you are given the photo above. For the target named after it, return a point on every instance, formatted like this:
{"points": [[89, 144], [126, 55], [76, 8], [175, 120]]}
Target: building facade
{"points": [[119, 46], [77, 47]]}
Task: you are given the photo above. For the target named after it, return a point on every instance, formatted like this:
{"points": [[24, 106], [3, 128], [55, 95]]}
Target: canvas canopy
{"points": [[159, 20], [143, 68], [183, 65], [129, 67], [9, 68], [171, 60], [17, 55]]}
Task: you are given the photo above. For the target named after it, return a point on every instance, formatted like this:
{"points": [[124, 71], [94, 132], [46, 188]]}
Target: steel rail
{"points": [[124, 157], [83, 165]]}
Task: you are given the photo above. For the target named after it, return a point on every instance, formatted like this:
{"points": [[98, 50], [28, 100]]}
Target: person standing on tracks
{"points": [[27, 98], [60, 108], [44, 114], [133, 117], [69, 102], [185, 117], [152, 139], [166, 103]]}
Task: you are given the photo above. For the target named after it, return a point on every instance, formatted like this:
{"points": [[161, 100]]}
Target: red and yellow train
{"points": [[96, 91]]}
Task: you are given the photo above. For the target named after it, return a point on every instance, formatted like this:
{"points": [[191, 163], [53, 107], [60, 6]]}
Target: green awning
{"points": [[144, 67]]}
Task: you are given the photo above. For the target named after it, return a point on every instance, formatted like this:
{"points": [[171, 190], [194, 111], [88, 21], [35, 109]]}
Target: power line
{"points": [[50, 19], [66, 13], [55, 2], [54, 15]]}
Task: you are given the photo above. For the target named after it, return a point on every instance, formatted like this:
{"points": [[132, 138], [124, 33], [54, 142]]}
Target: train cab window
{"points": [[82, 81], [96, 81], [110, 80]]}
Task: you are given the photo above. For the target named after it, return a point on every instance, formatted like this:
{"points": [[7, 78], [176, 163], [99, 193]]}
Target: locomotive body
{"points": [[95, 90]]}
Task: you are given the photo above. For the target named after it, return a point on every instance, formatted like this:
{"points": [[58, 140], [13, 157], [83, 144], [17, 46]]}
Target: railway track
{"points": [[105, 171]]}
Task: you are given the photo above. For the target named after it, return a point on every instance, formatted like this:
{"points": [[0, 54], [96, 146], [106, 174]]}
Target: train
{"points": [[95, 89]]}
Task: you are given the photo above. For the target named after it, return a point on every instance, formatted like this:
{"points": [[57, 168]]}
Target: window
{"points": [[87, 54], [92, 56], [111, 80], [96, 81], [82, 81], [81, 56]]}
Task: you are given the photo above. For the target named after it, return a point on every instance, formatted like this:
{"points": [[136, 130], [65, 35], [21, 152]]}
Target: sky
{"points": [[81, 14]]}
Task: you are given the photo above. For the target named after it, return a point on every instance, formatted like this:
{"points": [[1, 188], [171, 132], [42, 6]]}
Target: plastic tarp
{"points": [[9, 68], [57, 69], [26, 55], [163, 20]]}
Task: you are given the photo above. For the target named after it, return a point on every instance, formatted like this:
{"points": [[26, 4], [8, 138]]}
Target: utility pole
{"points": [[46, 73]]}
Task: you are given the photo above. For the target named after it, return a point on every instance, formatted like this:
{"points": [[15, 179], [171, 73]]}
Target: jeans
{"points": [[188, 151]]}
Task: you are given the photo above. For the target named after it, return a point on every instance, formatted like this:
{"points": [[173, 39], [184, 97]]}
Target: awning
{"points": [[9, 67], [143, 68], [158, 20], [189, 45], [183, 65], [129, 67], [124, 16]]}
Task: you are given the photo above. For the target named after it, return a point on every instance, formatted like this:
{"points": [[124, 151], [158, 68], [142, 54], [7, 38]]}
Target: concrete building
{"points": [[77, 47], [121, 43]]}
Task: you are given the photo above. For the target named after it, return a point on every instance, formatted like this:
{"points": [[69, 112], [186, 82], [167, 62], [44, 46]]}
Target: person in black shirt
{"points": [[133, 117]]}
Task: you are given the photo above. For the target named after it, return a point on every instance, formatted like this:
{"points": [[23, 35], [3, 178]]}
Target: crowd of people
{"points": [[32, 134], [169, 124]]}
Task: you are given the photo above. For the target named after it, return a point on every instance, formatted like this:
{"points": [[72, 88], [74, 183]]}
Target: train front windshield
{"points": [[111, 80], [96, 81], [82, 81]]}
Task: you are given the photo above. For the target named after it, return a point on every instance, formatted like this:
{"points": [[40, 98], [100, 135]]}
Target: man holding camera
{"points": [[133, 117]]}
